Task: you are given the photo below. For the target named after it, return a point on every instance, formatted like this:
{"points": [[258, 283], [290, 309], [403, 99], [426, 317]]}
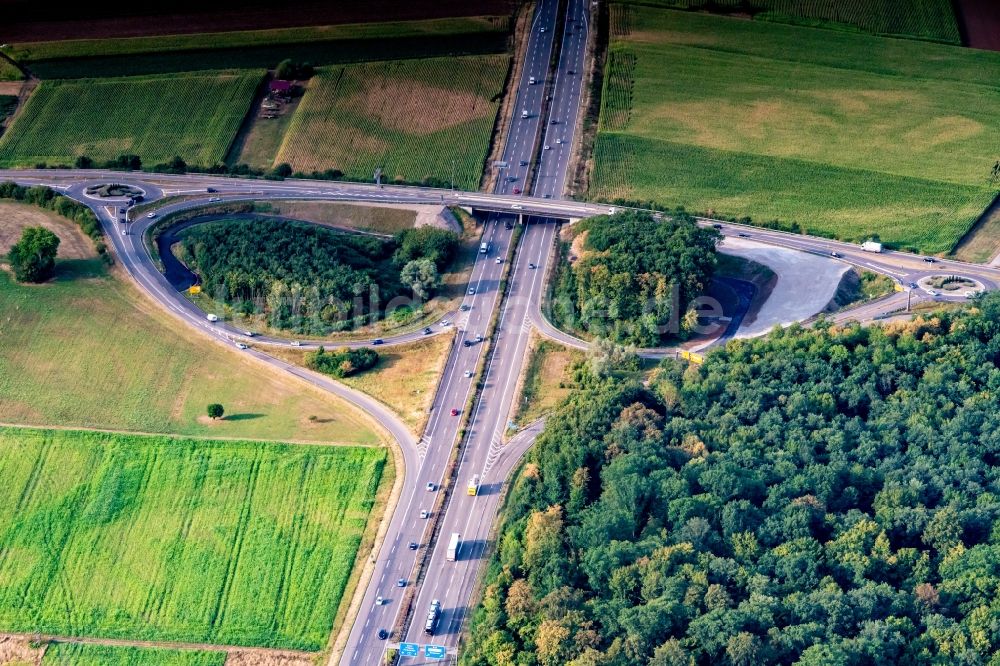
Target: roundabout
{"points": [[956, 286]]}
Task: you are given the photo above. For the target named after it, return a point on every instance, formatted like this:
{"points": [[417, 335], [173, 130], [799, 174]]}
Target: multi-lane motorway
{"points": [[542, 128]]}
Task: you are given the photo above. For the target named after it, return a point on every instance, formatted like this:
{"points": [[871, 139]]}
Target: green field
{"points": [[319, 45], [69, 654], [845, 134], [87, 350], [9, 72], [151, 537], [412, 118], [195, 116], [924, 19]]}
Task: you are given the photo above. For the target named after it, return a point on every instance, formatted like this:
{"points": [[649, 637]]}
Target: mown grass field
{"points": [[69, 654], [548, 380], [847, 135], [152, 537], [411, 118], [320, 45], [88, 350], [923, 19], [195, 116]]}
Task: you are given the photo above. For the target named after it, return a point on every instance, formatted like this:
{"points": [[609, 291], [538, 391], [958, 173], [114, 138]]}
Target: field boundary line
{"points": [[171, 645], [218, 438]]}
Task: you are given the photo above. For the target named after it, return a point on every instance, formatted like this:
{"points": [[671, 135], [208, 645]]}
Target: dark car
{"points": [[383, 634], [401, 582], [524, 162], [467, 343], [377, 341], [463, 307], [531, 265], [508, 225], [716, 226], [743, 235], [413, 545], [427, 331], [930, 260], [517, 190], [211, 189], [913, 285], [454, 412], [571, 72]]}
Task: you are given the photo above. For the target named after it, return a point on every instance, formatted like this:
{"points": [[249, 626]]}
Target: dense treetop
{"points": [[821, 497], [637, 277], [304, 275]]}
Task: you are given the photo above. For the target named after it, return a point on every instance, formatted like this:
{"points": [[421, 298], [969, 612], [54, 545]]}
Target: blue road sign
{"points": [[434, 651], [409, 650]]}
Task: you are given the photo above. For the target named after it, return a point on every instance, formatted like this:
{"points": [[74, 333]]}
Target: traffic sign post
{"points": [[434, 651], [409, 650]]}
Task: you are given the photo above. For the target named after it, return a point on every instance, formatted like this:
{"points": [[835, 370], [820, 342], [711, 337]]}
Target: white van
{"points": [[483, 248], [212, 317]]}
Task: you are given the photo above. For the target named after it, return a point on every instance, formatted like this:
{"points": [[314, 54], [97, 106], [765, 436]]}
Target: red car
{"points": [[454, 412], [517, 190]]}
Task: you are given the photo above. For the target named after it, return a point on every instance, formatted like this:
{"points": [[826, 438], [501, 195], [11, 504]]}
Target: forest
{"points": [[305, 276], [825, 496], [636, 277]]}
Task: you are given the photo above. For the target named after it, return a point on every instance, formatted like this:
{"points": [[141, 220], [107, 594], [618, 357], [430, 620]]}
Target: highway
{"points": [[486, 451]]}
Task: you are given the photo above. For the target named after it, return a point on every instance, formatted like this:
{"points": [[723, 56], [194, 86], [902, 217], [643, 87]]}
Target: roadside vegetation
{"points": [[922, 19], [71, 654], [548, 380], [157, 538], [420, 121], [87, 350], [310, 278], [633, 277], [194, 116], [791, 501], [264, 49], [365, 217], [833, 133]]}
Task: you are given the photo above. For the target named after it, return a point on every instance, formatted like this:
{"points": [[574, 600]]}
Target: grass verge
{"points": [[548, 379], [77, 654]]}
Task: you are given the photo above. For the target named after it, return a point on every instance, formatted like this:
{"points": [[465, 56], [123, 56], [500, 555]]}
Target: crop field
{"points": [[156, 538], [195, 116], [9, 72], [87, 350], [846, 135], [923, 19], [319, 45], [70, 654], [415, 119]]}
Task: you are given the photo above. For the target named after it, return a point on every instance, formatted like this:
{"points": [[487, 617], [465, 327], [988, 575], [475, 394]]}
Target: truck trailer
{"points": [[453, 546], [871, 246]]}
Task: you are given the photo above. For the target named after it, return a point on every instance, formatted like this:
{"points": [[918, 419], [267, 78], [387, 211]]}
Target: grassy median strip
{"points": [[160, 538]]}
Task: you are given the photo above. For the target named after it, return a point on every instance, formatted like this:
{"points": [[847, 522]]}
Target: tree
{"points": [[33, 258], [83, 162], [290, 70], [215, 410], [420, 275]]}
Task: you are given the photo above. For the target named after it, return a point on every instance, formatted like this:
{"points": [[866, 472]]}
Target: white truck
{"points": [[871, 246], [432, 617], [453, 546]]}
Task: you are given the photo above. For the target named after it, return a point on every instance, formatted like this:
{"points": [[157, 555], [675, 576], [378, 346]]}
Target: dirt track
{"points": [[36, 22], [981, 22]]}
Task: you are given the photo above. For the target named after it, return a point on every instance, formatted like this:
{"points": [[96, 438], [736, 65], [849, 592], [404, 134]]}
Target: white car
{"points": [[424, 514], [548, 147], [558, 140], [472, 291], [445, 322], [468, 373], [241, 345], [542, 29], [431, 487], [517, 207], [151, 215], [214, 199], [295, 343], [124, 232], [499, 260], [379, 600]]}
